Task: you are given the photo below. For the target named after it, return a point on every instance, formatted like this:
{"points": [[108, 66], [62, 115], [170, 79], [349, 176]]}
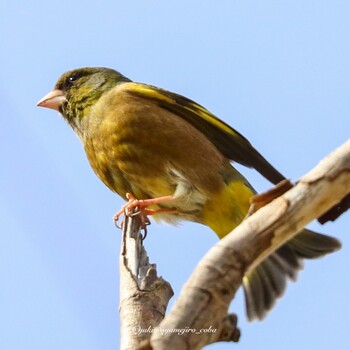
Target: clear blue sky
{"points": [[278, 71]]}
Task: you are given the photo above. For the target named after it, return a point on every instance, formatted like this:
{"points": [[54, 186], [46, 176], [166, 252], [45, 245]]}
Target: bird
{"points": [[176, 159]]}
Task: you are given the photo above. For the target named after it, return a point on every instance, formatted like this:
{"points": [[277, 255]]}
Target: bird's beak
{"points": [[53, 100]]}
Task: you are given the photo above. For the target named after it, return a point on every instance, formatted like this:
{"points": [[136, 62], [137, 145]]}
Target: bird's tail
{"points": [[267, 282]]}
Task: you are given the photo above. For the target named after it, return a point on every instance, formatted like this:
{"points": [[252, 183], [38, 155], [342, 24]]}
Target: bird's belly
{"points": [[125, 171], [156, 155]]}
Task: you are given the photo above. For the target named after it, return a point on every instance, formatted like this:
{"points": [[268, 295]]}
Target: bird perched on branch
{"points": [[174, 157]]}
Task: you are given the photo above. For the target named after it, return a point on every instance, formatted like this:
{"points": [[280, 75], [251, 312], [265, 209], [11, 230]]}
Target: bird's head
{"points": [[78, 90]]}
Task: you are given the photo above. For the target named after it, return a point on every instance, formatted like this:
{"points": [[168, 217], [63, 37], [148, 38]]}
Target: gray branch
{"points": [[200, 314], [143, 295]]}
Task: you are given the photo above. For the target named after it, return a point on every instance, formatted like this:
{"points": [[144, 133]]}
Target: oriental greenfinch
{"points": [[172, 152]]}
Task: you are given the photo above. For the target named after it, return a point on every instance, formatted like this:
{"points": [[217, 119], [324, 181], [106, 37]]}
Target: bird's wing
{"points": [[229, 142]]}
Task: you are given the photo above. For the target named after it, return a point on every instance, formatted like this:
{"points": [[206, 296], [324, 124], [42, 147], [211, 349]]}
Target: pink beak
{"points": [[53, 100]]}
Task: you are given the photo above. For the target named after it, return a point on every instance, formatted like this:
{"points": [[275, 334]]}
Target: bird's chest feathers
{"points": [[133, 151], [123, 169]]}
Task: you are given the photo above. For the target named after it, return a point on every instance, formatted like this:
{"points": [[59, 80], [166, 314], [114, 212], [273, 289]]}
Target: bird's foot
{"points": [[136, 206]]}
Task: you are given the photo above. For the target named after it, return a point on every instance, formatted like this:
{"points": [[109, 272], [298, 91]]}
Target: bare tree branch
{"points": [[204, 300], [143, 295], [199, 316]]}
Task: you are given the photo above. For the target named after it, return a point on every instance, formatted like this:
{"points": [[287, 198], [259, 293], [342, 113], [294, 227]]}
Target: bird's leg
{"points": [[141, 206]]}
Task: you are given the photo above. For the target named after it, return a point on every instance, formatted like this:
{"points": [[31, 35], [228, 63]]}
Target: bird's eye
{"points": [[73, 78]]}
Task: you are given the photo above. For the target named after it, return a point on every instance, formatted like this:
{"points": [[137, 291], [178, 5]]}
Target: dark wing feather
{"points": [[229, 142]]}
